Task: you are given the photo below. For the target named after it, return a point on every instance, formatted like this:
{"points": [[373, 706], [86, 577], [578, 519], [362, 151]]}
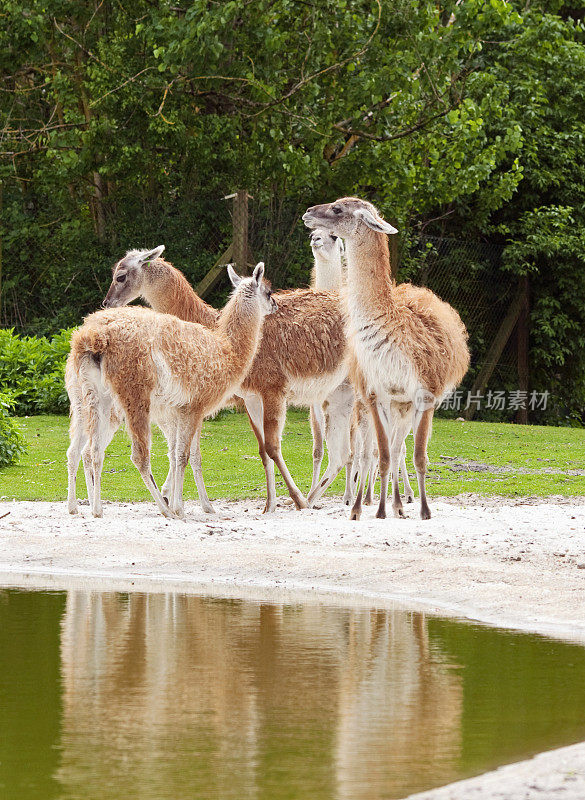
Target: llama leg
{"points": [[97, 449], [372, 477], [355, 478], [169, 429], [188, 427], [317, 420], [274, 419], [422, 431], [197, 468], [139, 430], [255, 411], [408, 491], [371, 454], [88, 472], [352, 466], [337, 436], [400, 421], [115, 420], [348, 494], [384, 453], [78, 442]]}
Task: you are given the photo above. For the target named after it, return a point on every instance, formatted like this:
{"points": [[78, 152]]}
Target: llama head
{"points": [[325, 245], [254, 288], [129, 276], [347, 217]]}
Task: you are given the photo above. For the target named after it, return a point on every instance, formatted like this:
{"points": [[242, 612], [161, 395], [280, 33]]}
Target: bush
{"points": [[32, 372], [12, 443]]}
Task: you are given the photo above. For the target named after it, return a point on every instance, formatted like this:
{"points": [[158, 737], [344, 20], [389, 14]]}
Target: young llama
{"points": [[138, 363], [410, 347], [300, 360]]}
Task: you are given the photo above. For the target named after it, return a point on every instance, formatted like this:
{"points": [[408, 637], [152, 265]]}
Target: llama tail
{"points": [[83, 375]]}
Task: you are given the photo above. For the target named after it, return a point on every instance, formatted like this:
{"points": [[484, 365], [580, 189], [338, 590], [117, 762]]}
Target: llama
{"points": [[343, 415], [410, 346], [300, 360], [332, 420], [132, 360]]}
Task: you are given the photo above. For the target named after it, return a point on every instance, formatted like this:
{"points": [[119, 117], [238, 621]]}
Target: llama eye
{"points": [[334, 237], [336, 210], [121, 278]]}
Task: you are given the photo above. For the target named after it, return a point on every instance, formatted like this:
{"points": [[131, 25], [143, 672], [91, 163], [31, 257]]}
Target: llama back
{"points": [[441, 353], [304, 339]]}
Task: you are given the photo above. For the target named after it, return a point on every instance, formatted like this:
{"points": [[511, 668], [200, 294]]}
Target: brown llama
{"points": [[300, 360], [135, 360], [410, 346]]}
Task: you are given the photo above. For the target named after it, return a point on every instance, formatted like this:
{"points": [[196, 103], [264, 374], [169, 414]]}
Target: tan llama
{"points": [[410, 346], [135, 361], [300, 360]]}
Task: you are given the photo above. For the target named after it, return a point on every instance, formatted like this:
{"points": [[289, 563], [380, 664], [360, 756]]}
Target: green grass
{"points": [[233, 469]]}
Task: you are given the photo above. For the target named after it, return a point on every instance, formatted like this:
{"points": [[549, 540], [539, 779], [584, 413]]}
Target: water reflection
{"points": [[173, 696]]}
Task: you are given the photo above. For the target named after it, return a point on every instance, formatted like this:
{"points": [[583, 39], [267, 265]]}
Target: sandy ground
{"points": [[517, 564]]}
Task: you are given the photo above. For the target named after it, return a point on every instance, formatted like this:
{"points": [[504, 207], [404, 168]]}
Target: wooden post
{"points": [[214, 274], [522, 339], [240, 230], [238, 251]]}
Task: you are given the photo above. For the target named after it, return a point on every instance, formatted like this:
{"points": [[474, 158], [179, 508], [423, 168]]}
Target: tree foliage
{"points": [[124, 124]]}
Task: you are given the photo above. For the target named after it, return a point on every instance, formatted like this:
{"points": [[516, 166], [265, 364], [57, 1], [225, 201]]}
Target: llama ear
{"points": [[152, 254], [374, 222], [234, 277], [258, 273]]}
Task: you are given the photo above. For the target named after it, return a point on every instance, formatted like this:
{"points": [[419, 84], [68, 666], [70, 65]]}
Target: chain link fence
{"points": [[469, 276]]}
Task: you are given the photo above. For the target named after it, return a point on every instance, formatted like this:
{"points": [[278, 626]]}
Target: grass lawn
{"points": [[482, 457]]}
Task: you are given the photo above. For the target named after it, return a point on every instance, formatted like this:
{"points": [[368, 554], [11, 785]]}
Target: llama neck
{"points": [[326, 273], [168, 291], [240, 323], [369, 278]]}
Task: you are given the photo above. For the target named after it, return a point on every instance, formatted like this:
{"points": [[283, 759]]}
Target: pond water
{"points": [[114, 696]]}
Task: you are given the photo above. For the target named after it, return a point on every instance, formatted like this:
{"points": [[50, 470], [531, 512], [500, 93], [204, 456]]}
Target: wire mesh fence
{"points": [[469, 276]]}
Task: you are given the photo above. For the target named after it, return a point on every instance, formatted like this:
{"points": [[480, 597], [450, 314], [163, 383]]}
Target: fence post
{"points": [[240, 231]]}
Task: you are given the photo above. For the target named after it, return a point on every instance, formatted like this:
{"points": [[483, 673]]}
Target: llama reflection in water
{"points": [[175, 696]]}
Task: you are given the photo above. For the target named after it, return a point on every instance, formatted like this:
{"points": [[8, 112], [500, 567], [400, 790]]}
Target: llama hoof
{"points": [[355, 514], [409, 498], [98, 514], [73, 509], [347, 501], [207, 508], [399, 512], [301, 504], [425, 513], [269, 508], [381, 513]]}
